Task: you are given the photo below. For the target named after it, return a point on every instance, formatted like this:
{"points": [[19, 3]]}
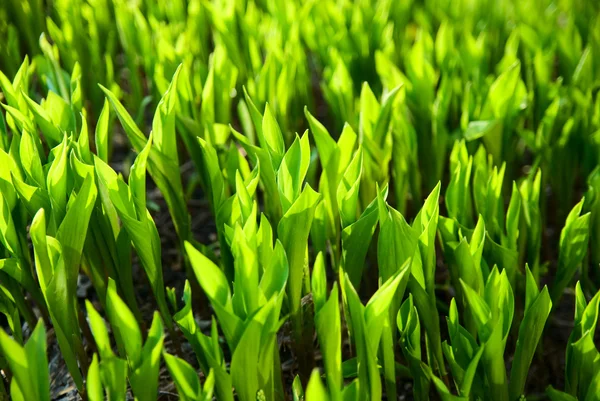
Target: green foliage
{"points": [[573, 246], [447, 165], [28, 364], [187, 381]]}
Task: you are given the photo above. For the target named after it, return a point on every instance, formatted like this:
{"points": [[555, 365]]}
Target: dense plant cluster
{"points": [[433, 230]]}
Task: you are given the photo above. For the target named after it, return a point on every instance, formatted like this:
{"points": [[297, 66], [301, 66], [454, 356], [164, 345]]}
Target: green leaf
{"points": [[530, 332], [491, 133], [99, 331], [582, 354], [31, 160], [28, 364], [126, 330], [137, 178], [211, 278], [140, 228], [380, 301], [293, 231], [22, 121], [273, 138], [101, 135], [33, 198], [144, 375], [325, 143], [410, 340], [93, 384], [206, 348], [57, 264], [135, 135], [292, 171], [245, 361], [512, 218], [114, 377], [185, 378], [458, 200], [502, 91], [315, 390], [72, 231], [297, 390], [573, 247], [367, 325], [397, 241], [356, 239], [267, 177], [493, 315], [214, 283], [57, 182], [329, 331], [348, 190], [44, 119], [60, 112], [13, 170], [556, 395], [275, 274], [319, 282]]}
